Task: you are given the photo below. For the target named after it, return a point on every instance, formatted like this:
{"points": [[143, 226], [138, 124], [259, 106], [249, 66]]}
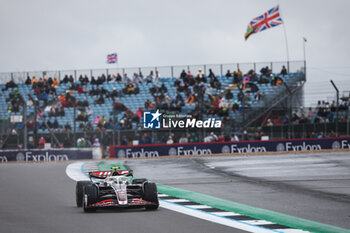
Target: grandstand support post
{"points": [[106, 73], [11, 76], [221, 70], [113, 131], [25, 129], [337, 115], [35, 128], [205, 70], [272, 67], [75, 75], [254, 67], [123, 71], [188, 68], [90, 74], [172, 72], [74, 126], [304, 42]]}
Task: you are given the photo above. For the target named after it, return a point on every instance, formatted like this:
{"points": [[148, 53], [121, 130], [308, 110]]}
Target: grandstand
{"points": [[249, 109]]}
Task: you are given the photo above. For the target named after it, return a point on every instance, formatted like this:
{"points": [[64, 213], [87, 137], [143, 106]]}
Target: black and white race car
{"points": [[116, 188]]}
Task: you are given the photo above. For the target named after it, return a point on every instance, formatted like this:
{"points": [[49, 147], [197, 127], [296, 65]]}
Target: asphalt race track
{"points": [[40, 197]]}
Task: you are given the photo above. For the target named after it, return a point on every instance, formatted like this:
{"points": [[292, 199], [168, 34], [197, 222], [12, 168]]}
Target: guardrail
{"points": [[46, 155], [228, 147], [164, 71]]}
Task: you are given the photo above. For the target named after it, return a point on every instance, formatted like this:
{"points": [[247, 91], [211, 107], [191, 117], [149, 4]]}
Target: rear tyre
{"points": [[139, 181], [79, 189], [90, 197], [151, 194]]}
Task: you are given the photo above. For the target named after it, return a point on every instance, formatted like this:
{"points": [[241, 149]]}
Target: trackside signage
{"points": [[229, 147], [43, 155]]}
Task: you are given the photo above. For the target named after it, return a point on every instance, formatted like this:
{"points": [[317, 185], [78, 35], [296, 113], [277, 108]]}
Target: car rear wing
{"points": [[105, 174]]}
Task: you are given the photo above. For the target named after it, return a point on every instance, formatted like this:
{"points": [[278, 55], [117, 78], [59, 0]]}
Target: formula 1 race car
{"points": [[116, 188]]}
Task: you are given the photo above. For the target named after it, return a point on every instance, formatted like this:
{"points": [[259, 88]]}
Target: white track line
{"points": [[225, 214], [213, 218]]}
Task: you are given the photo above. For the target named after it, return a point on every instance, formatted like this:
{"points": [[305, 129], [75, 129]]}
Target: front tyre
{"points": [[79, 189], [90, 197], [151, 195]]}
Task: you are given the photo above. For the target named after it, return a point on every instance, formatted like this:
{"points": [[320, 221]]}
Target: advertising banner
{"points": [[229, 147], [44, 155]]}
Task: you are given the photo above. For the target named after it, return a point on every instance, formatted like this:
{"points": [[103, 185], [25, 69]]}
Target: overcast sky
{"points": [[53, 35]]}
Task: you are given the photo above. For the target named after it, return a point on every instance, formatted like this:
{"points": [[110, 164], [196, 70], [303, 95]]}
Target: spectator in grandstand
{"points": [[170, 140], [93, 81], [100, 100], [55, 124], [234, 138], [332, 134], [257, 136], [41, 143], [223, 108], [96, 143], [81, 143], [97, 120], [264, 71], [126, 78], [239, 73], [190, 99], [321, 135], [235, 106], [200, 76], [67, 126], [303, 119], [284, 71], [257, 96], [269, 122], [228, 74], [28, 81], [211, 138], [114, 93], [149, 78], [192, 137], [245, 135], [228, 95], [103, 120], [157, 79], [310, 113], [10, 84], [163, 88], [246, 99], [118, 78], [183, 139]]}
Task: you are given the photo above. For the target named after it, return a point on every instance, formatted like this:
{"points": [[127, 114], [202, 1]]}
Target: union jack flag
{"points": [[269, 19], [112, 58]]}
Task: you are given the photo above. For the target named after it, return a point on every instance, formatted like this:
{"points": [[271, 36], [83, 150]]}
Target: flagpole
{"points": [[285, 36]]}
